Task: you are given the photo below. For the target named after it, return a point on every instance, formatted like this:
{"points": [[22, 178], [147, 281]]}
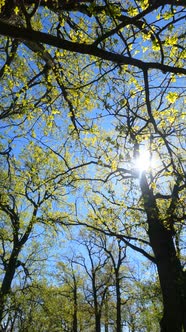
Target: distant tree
{"points": [[42, 307], [142, 310], [72, 279], [116, 252], [98, 278]]}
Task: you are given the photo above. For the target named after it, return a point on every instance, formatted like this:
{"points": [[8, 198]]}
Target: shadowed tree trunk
{"points": [[170, 272], [7, 280], [75, 321]]}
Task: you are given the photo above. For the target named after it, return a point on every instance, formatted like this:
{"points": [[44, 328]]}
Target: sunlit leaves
{"points": [[132, 11], [172, 97], [2, 3], [143, 4], [16, 10], [168, 14], [74, 125]]}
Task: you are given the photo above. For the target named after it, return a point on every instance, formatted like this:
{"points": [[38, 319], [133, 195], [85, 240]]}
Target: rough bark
{"points": [[8, 278], [169, 268]]}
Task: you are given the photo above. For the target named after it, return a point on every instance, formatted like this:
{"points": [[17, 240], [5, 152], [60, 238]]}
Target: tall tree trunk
{"points": [[170, 276], [98, 322], [118, 304], [97, 310], [106, 315], [7, 280], [170, 272], [75, 322]]}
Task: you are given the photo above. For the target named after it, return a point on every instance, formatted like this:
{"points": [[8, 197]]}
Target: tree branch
{"points": [[45, 38]]}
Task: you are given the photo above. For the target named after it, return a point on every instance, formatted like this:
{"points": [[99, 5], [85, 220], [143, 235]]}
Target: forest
{"points": [[92, 166]]}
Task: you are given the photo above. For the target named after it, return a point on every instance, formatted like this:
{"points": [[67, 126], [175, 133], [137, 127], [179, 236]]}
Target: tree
{"points": [[42, 307], [135, 51], [70, 277], [116, 252], [142, 310], [97, 285], [28, 189]]}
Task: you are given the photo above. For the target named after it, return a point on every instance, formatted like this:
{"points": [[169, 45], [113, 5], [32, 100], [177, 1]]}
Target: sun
{"points": [[144, 161]]}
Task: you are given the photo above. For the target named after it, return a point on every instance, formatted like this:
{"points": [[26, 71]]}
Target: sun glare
{"points": [[144, 161]]}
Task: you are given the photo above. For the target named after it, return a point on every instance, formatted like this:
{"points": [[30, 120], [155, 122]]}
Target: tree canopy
{"points": [[93, 138]]}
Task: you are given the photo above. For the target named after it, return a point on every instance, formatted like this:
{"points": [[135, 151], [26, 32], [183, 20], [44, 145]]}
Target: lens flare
{"points": [[144, 161]]}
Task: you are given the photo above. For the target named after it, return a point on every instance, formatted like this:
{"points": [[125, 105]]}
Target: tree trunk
{"points": [[106, 315], [98, 322], [118, 304], [7, 280], [75, 322], [170, 272], [97, 311], [106, 327], [170, 276]]}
